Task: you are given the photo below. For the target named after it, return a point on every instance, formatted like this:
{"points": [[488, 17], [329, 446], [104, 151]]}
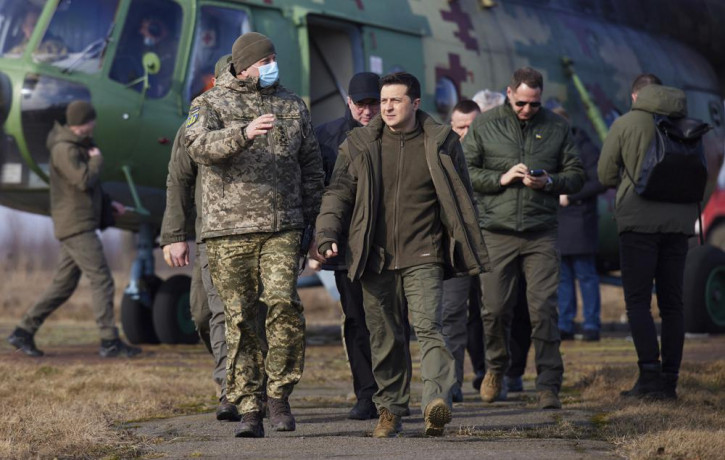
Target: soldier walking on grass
{"points": [[262, 181], [401, 187], [76, 207]]}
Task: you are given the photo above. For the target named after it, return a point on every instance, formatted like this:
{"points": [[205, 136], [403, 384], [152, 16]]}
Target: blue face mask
{"points": [[268, 74]]}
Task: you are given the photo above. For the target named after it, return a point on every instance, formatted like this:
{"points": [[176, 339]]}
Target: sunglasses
{"points": [[534, 105]]}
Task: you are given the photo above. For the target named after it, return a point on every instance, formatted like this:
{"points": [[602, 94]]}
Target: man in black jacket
{"points": [[363, 103]]}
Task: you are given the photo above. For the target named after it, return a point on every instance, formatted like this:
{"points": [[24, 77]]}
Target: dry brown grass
{"points": [[76, 409], [692, 427]]}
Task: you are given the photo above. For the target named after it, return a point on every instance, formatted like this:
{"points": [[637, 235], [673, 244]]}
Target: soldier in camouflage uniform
{"points": [[262, 181], [183, 198]]}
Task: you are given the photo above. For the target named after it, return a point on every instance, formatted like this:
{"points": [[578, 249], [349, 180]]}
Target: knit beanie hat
{"points": [[221, 65], [250, 48], [79, 113]]}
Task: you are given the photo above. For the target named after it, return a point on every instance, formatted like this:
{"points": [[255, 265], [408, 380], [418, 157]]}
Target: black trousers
{"points": [[356, 336], [658, 257]]}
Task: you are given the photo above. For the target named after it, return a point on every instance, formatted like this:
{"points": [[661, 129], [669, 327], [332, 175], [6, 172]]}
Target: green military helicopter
{"points": [[141, 62]]}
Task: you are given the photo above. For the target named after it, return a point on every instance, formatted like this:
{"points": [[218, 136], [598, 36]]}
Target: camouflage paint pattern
{"points": [[252, 272], [271, 183]]}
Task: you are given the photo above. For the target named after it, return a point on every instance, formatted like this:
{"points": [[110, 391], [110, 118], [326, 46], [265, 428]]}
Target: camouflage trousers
{"points": [[254, 272]]}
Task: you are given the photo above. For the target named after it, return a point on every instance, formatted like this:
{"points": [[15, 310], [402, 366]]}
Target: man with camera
{"points": [[520, 158]]}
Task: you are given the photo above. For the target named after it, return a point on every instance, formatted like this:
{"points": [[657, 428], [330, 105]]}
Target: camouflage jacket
{"points": [[272, 183], [76, 197], [183, 196]]}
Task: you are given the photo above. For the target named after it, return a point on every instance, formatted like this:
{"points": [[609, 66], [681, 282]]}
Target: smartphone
{"points": [[536, 172]]}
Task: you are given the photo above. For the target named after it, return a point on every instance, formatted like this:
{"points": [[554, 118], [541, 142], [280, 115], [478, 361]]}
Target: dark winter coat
{"points": [[76, 197], [495, 143], [330, 136], [351, 200], [579, 222], [625, 147]]}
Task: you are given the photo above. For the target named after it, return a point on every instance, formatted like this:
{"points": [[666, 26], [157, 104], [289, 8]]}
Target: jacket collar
{"points": [[250, 85], [432, 130]]}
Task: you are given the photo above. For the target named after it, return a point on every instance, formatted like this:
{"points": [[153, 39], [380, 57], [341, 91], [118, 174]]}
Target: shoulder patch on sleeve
{"points": [[193, 116]]}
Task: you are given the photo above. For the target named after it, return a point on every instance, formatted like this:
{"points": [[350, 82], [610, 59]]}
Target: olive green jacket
{"points": [[625, 147], [183, 196], [351, 200], [495, 143], [76, 196]]}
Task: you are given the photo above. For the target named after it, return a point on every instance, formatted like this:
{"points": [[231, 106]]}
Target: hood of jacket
{"points": [[662, 100], [62, 133]]}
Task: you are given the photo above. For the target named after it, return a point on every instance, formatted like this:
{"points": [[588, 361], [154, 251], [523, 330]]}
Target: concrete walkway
{"points": [[510, 430]]}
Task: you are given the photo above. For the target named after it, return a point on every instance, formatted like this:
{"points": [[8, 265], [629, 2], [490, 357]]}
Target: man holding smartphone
{"points": [[520, 158]]}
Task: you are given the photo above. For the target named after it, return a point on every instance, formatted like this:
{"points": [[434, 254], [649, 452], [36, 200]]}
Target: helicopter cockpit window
{"points": [[77, 35], [151, 35], [17, 21], [215, 33]]}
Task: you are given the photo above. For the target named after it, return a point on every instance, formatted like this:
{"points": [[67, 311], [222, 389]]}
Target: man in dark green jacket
{"points": [[652, 238], [76, 202], [400, 186], [521, 157]]}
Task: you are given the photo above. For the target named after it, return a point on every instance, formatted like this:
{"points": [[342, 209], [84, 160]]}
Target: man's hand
{"points": [[314, 255], [118, 208], [534, 182], [517, 172], [177, 254], [259, 126], [563, 201], [332, 252], [94, 152]]}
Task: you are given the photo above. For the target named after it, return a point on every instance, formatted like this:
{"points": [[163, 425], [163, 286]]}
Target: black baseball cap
{"points": [[364, 85]]}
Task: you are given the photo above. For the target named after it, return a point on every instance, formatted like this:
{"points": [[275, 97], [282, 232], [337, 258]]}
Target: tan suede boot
{"points": [[388, 425]]}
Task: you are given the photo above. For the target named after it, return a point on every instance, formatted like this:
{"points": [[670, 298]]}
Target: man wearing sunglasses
{"points": [[521, 158]]}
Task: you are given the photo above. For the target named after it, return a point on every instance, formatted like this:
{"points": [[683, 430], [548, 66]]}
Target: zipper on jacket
{"points": [[397, 198], [519, 191], [270, 143]]}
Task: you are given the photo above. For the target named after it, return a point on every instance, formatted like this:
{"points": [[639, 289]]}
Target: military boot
{"points": [[491, 387], [649, 384], [24, 341], [227, 411], [669, 385], [280, 415], [388, 425], [117, 347], [437, 414], [364, 409], [548, 399], [251, 426]]}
